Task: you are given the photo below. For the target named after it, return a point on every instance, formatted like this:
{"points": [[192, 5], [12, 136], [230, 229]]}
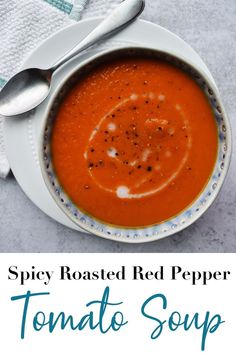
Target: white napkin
{"points": [[25, 24]]}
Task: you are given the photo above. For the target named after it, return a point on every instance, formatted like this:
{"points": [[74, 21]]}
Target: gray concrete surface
{"points": [[210, 27]]}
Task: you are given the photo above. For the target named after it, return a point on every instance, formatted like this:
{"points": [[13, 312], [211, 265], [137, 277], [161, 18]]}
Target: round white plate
{"points": [[22, 135]]}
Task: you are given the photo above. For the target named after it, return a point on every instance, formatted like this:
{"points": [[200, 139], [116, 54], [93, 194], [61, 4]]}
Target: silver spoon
{"points": [[27, 89]]}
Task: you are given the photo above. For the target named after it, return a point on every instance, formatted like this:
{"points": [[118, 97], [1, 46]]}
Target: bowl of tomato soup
{"points": [[136, 144]]}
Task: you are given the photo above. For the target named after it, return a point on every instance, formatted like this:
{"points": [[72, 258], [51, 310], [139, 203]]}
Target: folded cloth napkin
{"points": [[27, 23]]}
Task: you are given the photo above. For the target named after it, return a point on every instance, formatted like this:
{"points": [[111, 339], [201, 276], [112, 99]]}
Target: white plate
{"points": [[22, 136]]}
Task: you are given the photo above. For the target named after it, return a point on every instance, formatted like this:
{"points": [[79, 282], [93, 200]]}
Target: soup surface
{"points": [[134, 142]]}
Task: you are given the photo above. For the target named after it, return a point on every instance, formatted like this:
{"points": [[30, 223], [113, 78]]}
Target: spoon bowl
{"points": [[25, 91]]}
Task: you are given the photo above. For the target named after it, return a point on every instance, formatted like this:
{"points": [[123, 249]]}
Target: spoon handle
{"points": [[125, 13]]}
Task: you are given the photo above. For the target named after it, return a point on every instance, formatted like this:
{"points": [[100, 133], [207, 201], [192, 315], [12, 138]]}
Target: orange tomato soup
{"points": [[134, 142]]}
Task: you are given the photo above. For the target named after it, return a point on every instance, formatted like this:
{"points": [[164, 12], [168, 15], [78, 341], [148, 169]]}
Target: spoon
{"points": [[28, 88]]}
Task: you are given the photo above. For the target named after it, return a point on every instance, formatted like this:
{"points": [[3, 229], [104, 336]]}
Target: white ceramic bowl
{"points": [[180, 221]]}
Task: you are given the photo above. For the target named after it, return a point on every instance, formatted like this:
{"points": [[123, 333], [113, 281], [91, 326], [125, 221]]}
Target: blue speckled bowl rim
{"points": [[184, 218]]}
